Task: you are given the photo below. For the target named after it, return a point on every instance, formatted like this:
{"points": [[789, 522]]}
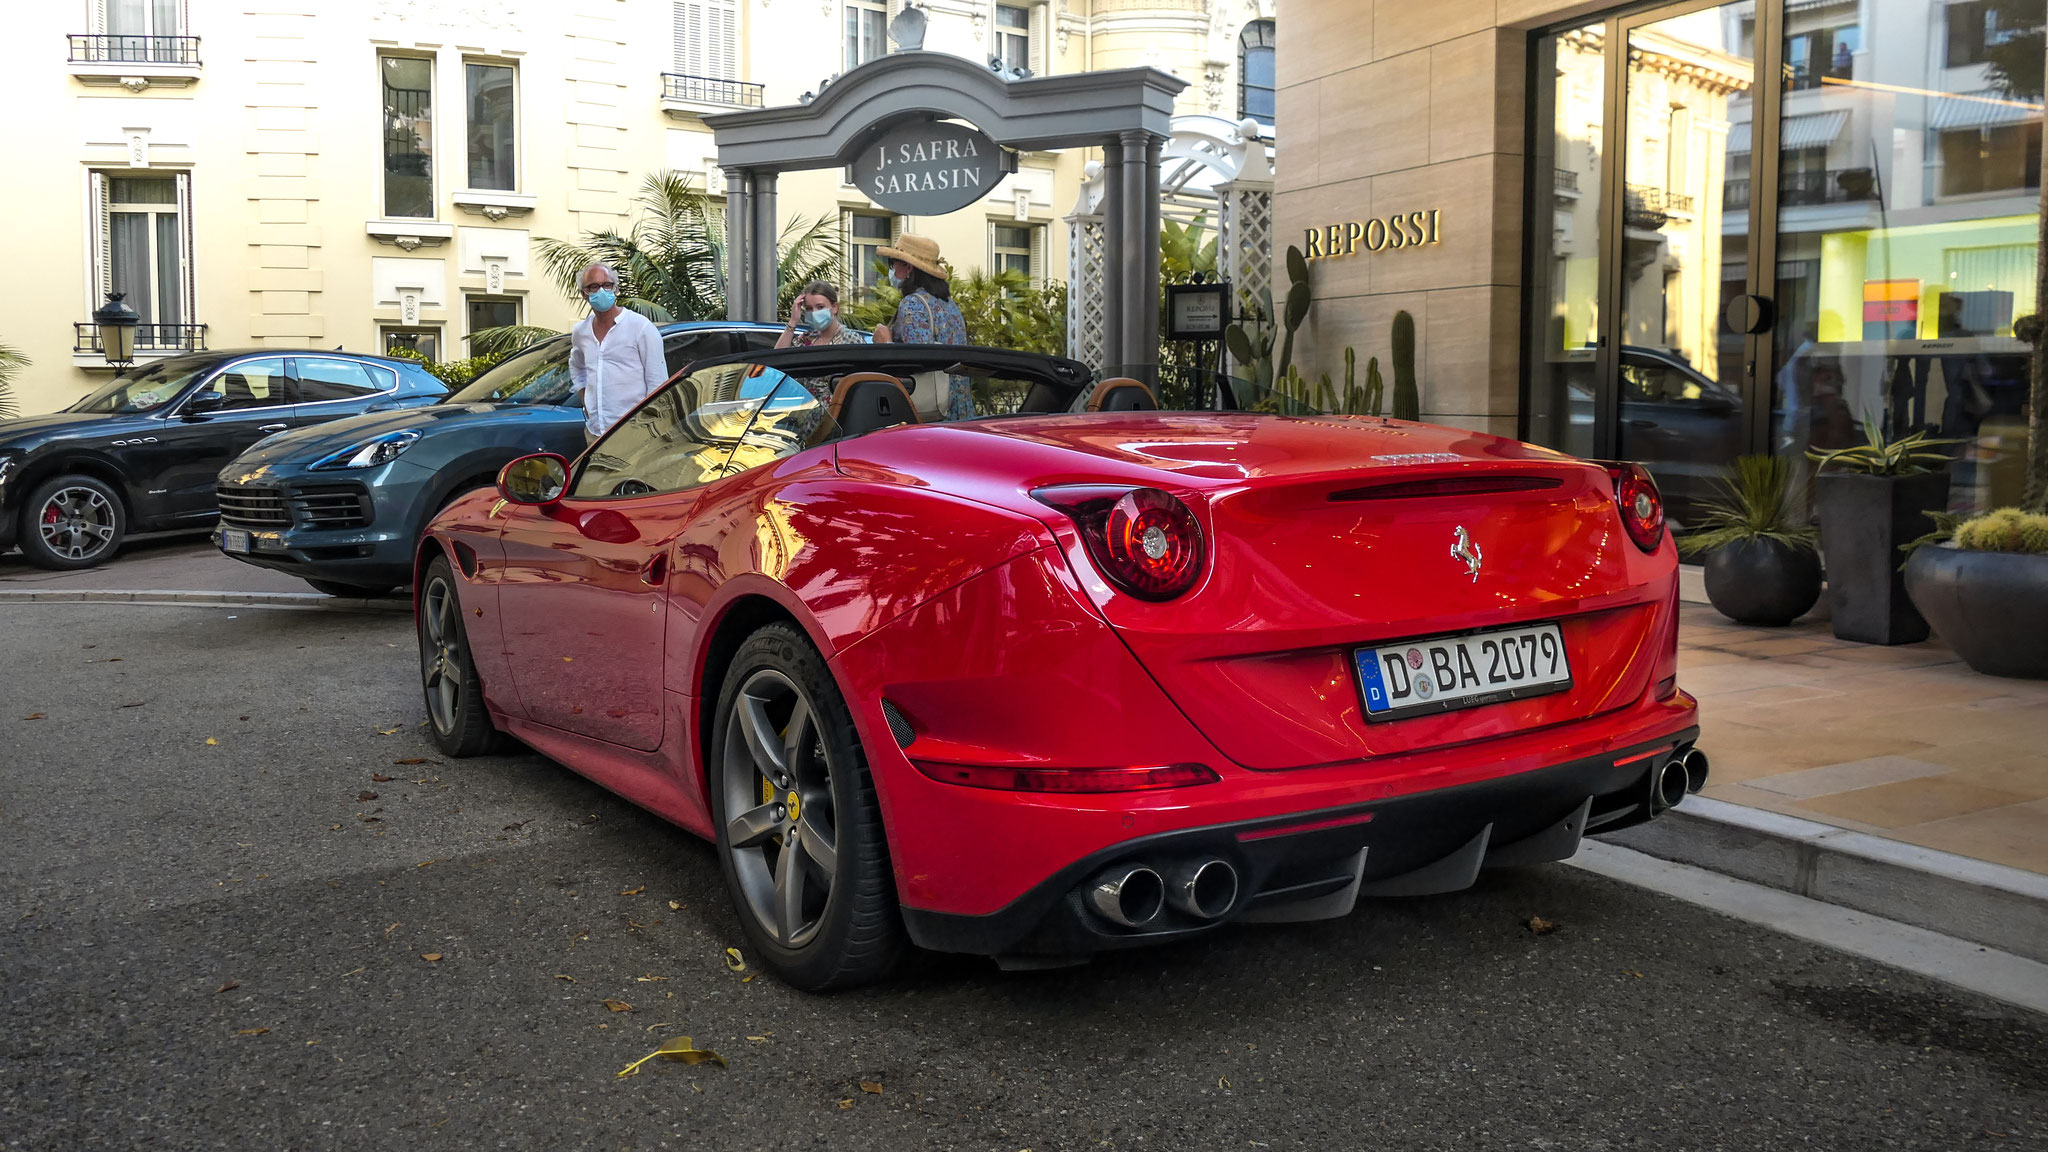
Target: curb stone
{"points": [[1990, 904], [312, 600]]}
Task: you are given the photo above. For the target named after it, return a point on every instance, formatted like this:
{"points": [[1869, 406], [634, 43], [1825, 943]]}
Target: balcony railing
{"points": [[148, 338], [1643, 207], [1567, 180], [1735, 195], [1834, 186], [122, 48], [710, 90]]}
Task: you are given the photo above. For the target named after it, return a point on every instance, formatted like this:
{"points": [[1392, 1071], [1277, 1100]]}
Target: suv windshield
{"points": [[539, 375], [148, 387]]}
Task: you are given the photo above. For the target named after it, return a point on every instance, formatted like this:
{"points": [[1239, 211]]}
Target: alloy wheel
{"points": [[440, 656], [778, 797], [77, 523]]}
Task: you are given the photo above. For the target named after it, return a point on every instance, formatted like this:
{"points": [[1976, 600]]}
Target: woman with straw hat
{"points": [[927, 314]]}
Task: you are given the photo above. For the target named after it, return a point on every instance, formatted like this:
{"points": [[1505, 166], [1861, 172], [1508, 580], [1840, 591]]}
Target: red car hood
{"points": [[1303, 569]]}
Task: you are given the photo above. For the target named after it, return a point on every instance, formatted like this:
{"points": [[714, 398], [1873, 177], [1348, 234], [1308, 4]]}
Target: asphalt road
{"points": [[212, 936]]}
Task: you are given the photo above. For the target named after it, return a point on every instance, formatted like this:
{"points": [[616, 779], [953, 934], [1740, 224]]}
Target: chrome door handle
{"points": [[272, 427]]}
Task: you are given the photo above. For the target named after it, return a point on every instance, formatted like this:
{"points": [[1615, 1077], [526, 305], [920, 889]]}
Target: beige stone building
{"points": [[312, 173], [1676, 233]]}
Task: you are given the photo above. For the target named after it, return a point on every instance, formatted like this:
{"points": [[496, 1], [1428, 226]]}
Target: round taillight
{"points": [[1153, 544], [1147, 542], [1642, 508]]}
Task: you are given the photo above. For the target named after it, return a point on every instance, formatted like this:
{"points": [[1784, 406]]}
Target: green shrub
{"points": [[453, 373]]}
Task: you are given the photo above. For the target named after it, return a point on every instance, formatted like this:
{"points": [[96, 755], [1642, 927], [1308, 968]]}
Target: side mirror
{"points": [[539, 479], [203, 402]]}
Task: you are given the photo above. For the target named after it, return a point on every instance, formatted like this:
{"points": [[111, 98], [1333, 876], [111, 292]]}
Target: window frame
{"points": [[102, 19], [853, 33], [469, 125], [1256, 36], [470, 299], [100, 247], [710, 40], [389, 376], [856, 266], [1004, 34], [386, 331], [388, 128], [220, 370]]}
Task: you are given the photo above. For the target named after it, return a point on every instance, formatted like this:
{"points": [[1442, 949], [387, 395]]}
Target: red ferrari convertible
{"points": [[1077, 674]]}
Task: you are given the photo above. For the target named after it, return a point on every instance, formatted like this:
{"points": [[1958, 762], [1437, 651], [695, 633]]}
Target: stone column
{"points": [[1113, 229], [739, 228], [764, 272], [1147, 269], [1130, 253]]}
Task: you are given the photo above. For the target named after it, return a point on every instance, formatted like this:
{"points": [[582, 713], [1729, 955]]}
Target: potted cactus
{"points": [[1871, 498], [1986, 592], [1761, 566]]}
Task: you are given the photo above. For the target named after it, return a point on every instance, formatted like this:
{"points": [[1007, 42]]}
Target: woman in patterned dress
{"points": [[927, 314]]}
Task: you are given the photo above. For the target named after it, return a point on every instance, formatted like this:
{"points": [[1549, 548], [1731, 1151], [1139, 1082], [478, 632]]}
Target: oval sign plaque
{"points": [[929, 169]]}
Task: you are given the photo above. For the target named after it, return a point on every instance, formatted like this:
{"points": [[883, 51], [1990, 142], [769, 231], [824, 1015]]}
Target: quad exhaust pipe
{"points": [[1129, 894], [1679, 777], [1204, 889]]}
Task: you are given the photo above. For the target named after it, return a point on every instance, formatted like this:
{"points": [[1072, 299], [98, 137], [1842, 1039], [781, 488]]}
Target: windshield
{"points": [[148, 387], [539, 375]]}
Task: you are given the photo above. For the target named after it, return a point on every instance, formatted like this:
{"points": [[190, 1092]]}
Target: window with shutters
{"points": [[1018, 248], [142, 248], [134, 32], [707, 39], [1013, 36], [867, 32]]}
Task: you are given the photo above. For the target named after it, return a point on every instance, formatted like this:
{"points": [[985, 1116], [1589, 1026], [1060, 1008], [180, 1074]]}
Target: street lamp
{"points": [[117, 323]]}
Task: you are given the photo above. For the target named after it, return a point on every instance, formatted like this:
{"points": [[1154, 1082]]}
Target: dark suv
{"points": [[342, 505], [140, 454]]}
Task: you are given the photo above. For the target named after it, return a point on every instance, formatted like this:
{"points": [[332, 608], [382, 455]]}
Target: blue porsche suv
{"points": [[342, 504]]}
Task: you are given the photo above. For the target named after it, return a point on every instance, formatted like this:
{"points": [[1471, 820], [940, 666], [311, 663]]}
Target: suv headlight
{"points": [[370, 453]]}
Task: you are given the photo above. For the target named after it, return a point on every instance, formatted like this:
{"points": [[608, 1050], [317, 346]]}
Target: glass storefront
{"points": [[1873, 215]]}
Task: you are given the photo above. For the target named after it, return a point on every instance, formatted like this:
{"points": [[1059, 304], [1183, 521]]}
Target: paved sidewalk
{"points": [[1904, 742], [183, 563]]}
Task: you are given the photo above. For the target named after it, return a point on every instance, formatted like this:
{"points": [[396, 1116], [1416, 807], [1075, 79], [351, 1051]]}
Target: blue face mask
{"points": [[603, 300], [818, 319], [899, 283]]}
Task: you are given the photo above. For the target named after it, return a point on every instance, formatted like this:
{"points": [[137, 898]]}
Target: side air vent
{"points": [[1448, 486], [898, 726]]}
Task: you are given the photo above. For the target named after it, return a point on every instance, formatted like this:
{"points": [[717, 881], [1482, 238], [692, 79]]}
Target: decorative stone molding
{"points": [[135, 76], [494, 206], [410, 235]]}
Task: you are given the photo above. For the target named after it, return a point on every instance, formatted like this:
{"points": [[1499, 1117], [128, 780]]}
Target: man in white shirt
{"points": [[615, 356]]}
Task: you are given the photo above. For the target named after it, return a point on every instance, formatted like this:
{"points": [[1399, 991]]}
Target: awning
{"points": [[1738, 137], [1986, 109], [1815, 131]]}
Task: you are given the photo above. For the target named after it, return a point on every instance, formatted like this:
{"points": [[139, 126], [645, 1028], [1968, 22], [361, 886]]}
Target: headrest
{"points": [[1121, 394], [863, 402]]}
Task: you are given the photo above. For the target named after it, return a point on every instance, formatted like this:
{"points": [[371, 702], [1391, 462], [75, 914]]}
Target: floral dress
{"points": [[923, 319]]}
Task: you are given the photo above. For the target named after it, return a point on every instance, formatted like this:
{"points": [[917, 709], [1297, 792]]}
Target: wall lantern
{"points": [[117, 323]]}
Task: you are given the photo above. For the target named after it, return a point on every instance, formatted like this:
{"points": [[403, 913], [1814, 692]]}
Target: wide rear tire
{"points": [[456, 715], [799, 830]]}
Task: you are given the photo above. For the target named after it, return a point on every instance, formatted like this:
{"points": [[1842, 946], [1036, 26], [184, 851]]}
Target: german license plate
{"points": [[1422, 676], [234, 540]]}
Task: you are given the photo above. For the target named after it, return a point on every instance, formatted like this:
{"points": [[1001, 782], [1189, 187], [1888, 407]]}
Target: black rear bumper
{"points": [[1314, 865]]}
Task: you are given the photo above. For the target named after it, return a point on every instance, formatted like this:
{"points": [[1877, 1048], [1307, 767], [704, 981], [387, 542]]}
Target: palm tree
{"points": [[11, 362], [671, 261]]}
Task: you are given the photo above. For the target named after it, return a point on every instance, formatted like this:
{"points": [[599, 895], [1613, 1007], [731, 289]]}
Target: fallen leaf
{"points": [[230, 986], [679, 1050], [415, 760], [32, 716], [871, 1087], [633, 925], [576, 711], [366, 795], [647, 979], [632, 891], [618, 1005], [568, 659], [734, 960], [424, 863], [241, 717], [386, 731], [111, 660], [674, 907], [759, 1039], [590, 819], [379, 778], [570, 979], [431, 957], [513, 827], [846, 1105], [1223, 1081], [393, 928], [136, 704], [1542, 927], [744, 980], [211, 740], [1637, 975], [250, 1031]]}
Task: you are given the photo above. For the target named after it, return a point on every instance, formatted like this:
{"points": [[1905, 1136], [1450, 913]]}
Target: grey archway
{"points": [[1126, 112]]}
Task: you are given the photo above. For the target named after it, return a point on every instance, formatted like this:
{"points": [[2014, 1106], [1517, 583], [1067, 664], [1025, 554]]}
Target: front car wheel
{"points": [[455, 700], [799, 831], [72, 522]]}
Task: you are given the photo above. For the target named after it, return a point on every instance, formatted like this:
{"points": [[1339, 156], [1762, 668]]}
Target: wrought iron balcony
{"points": [[153, 338], [122, 48], [1567, 180], [709, 90], [1833, 186], [1735, 195], [1643, 207]]}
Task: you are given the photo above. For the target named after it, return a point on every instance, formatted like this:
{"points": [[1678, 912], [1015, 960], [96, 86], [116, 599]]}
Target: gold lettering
{"points": [[1395, 237], [1432, 225], [1312, 244], [1332, 236], [1352, 231], [1374, 243], [1415, 228]]}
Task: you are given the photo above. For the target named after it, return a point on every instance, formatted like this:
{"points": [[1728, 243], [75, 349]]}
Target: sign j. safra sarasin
{"points": [[929, 168]]}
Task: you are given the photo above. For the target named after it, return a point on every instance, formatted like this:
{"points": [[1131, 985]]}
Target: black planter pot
{"points": [[1761, 581], [1863, 521], [1991, 607]]}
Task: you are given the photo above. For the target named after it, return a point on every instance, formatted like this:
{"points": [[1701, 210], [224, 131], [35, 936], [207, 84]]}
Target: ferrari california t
{"points": [[1073, 675]]}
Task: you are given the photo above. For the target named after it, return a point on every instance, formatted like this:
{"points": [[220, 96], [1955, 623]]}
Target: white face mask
{"points": [[899, 283]]}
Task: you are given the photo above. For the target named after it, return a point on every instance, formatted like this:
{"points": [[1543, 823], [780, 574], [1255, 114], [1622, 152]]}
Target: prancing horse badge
{"points": [[1464, 549]]}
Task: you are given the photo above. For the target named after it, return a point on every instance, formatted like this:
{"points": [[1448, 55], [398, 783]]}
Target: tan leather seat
{"points": [[1121, 394], [863, 402]]}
